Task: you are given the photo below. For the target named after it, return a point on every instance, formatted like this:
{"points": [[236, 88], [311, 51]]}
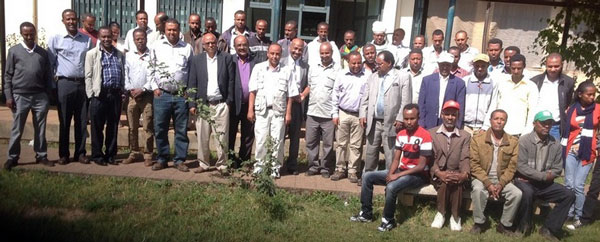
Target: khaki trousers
{"points": [[218, 132], [480, 196], [135, 108], [349, 142]]}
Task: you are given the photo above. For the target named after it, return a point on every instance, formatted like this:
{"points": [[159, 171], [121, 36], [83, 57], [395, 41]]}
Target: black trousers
{"points": [[72, 104], [246, 132], [105, 111], [547, 192], [591, 198], [294, 136]]}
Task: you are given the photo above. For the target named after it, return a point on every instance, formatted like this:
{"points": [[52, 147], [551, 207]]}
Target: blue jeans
{"points": [[167, 106], [575, 175], [555, 132], [391, 190]]}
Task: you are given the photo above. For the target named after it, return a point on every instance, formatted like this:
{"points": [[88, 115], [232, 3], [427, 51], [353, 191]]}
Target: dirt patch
{"points": [[62, 213]]}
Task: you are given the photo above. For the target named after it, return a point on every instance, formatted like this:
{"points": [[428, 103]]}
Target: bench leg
{"points": [[407, 200]]}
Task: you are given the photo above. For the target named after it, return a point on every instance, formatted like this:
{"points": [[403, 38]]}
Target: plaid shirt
{"points": [[111, 70]]}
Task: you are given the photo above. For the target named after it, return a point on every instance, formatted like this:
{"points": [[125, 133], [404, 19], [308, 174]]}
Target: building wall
{"points": [[229, 8]]}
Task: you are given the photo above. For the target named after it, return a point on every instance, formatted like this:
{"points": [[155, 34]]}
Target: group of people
{"points": [[458, 119]]}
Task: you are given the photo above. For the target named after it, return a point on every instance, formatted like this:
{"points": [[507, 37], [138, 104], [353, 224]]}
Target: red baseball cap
{"points": [[451, 104]]}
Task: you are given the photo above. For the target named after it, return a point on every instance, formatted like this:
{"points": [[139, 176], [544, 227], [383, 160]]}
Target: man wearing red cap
{"points": [[450, 168]]}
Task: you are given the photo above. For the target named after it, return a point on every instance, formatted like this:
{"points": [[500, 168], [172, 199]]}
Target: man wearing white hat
{"points": [[438, 88], [380, 39]]}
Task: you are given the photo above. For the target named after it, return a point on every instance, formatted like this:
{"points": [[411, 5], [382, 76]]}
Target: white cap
{"points": [[378, 27], [445, 57]]}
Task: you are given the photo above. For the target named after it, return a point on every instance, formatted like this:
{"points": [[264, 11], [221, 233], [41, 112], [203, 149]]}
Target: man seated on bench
{"points": [[414, 144], [450, 169], [539, 163], [493, 165]]}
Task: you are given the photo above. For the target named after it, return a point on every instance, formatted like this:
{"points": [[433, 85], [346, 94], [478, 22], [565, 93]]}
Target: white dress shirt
{"points": [[129, 43], [443, 85], [466, 58], [314, 55], [548, 99], [136, 70], [519, 100], [175, 59], [212, 87]]}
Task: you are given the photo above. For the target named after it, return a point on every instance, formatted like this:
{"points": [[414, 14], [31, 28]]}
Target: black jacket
{"points": [[198, 77], [565, 92]]}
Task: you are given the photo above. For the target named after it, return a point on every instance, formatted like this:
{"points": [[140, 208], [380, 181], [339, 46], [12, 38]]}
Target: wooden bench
{"points": [[407, 198]]}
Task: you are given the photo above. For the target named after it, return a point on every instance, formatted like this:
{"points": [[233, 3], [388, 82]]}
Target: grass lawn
{"points": [[43, 206]]}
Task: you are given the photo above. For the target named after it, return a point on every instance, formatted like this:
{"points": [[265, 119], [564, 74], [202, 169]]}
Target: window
{"points": [[106, 11], [181, 10], [308, 13]]}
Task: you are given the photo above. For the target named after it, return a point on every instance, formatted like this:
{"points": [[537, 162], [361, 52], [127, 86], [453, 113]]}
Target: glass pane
{"points": [[360, 32], [261, 1], [291, 15], [369, 30], [318, 3], [293, 3], [310, 21], [256, 14], [374, 6]]}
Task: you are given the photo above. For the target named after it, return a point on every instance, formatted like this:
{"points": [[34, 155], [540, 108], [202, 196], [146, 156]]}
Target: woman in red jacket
{"points": [[579, 144]]}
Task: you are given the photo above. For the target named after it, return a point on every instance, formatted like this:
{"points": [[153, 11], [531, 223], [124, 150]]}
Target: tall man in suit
{"points": [[211, 73], [387, 92], [243, 63], [438, 88]]}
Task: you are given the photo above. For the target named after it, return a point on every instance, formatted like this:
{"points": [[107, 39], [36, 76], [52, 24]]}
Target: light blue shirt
{"points": [[67, 54]]}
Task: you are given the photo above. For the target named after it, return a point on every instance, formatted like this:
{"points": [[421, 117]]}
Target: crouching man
{"points": [[493, 164], [414, 145]]}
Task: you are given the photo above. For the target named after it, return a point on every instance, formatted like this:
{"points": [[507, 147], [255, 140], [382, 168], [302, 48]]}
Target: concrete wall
{"points": [[404, 18], [229, 8]]}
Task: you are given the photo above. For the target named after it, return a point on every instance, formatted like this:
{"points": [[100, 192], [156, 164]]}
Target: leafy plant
{"points": [[583, 39]]}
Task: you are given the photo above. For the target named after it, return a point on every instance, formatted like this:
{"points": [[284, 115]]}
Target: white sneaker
{"points": [[455, 224], [438, 221]]}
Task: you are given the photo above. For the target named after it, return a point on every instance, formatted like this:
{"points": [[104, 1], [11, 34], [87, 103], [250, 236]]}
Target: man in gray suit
{"points": [[387, 92]]}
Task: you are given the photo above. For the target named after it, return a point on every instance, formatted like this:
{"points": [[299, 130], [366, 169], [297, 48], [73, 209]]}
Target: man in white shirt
{"points": [[141, 18], [432, 53], [517, 96], [467, 53], [269, 107], [170, 66], [313, 47], [416, 72], [401, 50], [139, 90]]}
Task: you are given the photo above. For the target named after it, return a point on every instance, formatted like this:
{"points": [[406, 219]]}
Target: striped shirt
{"points": [[413, 146]]}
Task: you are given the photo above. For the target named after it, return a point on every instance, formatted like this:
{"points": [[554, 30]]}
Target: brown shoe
{"points": [[63, 161], [83, 159], [44, 161], [159, 166], [148, 162], [129, 160], [352, 178], [200, 170], [338, 175], [182, 167]]}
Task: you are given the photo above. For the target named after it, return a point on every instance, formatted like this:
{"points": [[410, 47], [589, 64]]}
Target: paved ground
{"points": [[291, 182], [27, 161]]}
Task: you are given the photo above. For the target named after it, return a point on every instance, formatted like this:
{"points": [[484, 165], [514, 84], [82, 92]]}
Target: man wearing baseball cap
{"points": [[438, 88], [450, 168], [539, 163], [479, 86]]}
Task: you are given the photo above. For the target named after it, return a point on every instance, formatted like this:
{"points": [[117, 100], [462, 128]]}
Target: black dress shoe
{"points": [[44, 161], [545, 232], [99, 162], [63, 161], [84, 160], [476, 229], [500, 228], [112, 161], [9, 164]]}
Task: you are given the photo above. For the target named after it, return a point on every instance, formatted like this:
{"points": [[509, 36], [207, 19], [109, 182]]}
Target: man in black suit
{"points": [[211, 74], [243, 64]]}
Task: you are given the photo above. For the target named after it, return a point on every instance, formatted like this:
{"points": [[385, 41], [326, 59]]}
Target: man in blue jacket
{"points": [[438, 88]]}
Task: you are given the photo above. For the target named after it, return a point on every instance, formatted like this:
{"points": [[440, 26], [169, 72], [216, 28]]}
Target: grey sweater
{"points": [[27, 73]]}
